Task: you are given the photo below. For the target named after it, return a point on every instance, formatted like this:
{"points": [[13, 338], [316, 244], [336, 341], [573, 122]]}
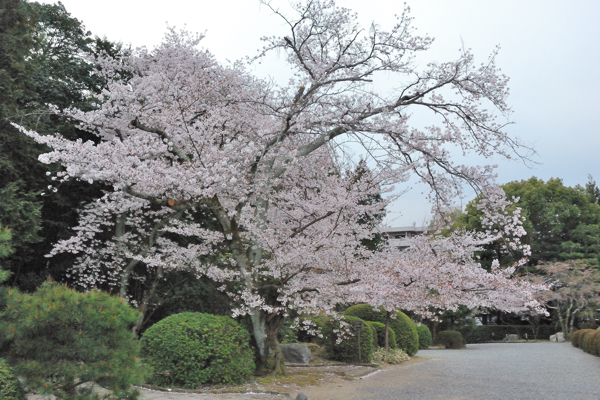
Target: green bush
{"points": [[406, 334], [10, 387], [373, 333], [58, 338], [425, 339], [450, 339], [191, 349], [380, 329], [392, 356], [345, 347], [588, 344], [578, 337], [596, 343], [490, 333], [318, 324]]}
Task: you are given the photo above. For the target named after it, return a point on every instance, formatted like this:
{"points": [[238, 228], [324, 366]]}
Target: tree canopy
{"points": [[562, 223], [200, 158], [44, 59]]}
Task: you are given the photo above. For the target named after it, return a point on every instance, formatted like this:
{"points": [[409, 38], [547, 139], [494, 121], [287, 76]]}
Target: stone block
{"points": [[296, 353]]}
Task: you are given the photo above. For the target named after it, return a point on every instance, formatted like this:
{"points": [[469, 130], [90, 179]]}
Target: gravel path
{"points": [[514, 371], [520, 371]]}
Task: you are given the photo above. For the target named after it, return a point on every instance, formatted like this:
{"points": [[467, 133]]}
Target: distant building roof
{"points": [[400, 236]]}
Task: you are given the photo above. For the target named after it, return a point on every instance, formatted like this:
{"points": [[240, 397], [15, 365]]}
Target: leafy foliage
{"points": [[392, 356], [57, 339], [425, 338], [578, 337], [44, 59], [407, 338], [10, 387], [450, 339], [562, 223], [588, 344], [380, 328], [342, 342], [489, 333], [183, 291], [192, 349]]}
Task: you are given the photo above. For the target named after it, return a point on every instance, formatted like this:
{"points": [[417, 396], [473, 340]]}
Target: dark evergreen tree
{"points": [[44, 59]]}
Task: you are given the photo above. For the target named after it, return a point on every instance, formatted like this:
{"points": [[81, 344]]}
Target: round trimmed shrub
{"points": [[10, 387], [407, 338], [425, 338], [345, 348], [596, 343], [373, 332], [191, 349], [450, 339], [588, 345], [578, 337], [317, 324], [380, 328], [57, 338]]}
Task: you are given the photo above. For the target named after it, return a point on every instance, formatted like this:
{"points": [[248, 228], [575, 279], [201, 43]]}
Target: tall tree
{"points": [[186, 135], [575, 289], [561, 222], [44, 59]]}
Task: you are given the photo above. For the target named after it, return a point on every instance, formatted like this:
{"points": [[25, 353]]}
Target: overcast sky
{"points": [[549, 49]]}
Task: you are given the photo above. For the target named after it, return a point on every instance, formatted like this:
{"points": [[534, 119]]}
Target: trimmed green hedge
{"points": [[577, 337], [10, 387], [450, 339], [347, 349], [425, 338], [380, 328], [489, 333], [407, 338], [191, 349], [588, 340]]}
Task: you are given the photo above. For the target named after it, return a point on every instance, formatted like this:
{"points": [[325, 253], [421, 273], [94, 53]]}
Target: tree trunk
{"points": [[265, 328], [148, 293], [387, 330]]}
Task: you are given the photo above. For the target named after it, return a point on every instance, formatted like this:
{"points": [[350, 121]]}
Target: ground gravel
{"points": [[514, 371], [521, 371]]}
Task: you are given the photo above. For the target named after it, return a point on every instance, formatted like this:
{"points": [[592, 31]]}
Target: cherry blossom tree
{"points": [[574, 289], [206, 158]]}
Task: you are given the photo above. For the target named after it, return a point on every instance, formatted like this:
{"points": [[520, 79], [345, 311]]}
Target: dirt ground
{"points": [[312, 379]]}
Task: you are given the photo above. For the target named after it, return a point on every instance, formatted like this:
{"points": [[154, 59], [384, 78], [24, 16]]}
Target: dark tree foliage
{"points": [[562, 223], [44, 59]]}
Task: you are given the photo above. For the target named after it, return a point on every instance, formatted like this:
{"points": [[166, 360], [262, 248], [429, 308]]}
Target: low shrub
{"points": [[578, 336], [191, 349], [450, 339], [57, 338], [392, 356], [588, 344], [311, 329], [596, 343], [373, 332], [490, 333], [342, 342], [10, 387], [406, 334], [575, 338], [425, 338], [380, 329]]}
